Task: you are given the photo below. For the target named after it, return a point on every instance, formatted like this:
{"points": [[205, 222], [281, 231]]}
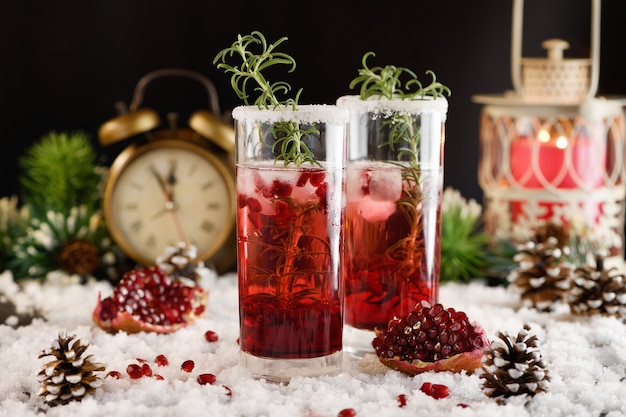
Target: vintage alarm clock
{"points": [[172, 184]]}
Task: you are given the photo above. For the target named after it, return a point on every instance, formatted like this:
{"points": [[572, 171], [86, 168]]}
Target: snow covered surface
{"points": [[586, 359]]}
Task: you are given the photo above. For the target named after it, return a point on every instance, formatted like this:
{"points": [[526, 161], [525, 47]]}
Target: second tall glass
{"points": [[394, 187]]}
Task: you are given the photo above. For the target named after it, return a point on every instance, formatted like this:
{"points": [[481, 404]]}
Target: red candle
{"points": [[546, 162], [557, 164]]}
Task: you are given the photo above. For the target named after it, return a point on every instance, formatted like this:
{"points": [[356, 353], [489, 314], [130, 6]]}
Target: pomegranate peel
{"points": [[148, 300], [431, 339]]}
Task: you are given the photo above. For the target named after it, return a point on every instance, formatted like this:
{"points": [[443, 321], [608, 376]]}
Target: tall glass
{"points": [[394, 188], [290, 241]]}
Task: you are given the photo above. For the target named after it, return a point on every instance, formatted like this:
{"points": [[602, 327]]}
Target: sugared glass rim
{"points": [[417, 105], [304, 113]]}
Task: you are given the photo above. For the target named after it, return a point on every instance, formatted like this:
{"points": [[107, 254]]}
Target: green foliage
{"points": [[463, 244], [62, 186], [35, 252], [12, 224], [59, 172], [387, 82], [287, 136]]}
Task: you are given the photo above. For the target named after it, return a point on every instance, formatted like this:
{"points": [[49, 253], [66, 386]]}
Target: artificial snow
{"points": [[585, 358]]}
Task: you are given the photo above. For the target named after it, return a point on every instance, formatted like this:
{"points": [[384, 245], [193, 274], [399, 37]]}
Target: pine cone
{"points": [[542, 276], [514, 366], [181, 261], [548, 230], [78, 257], [596, 290], [69, 376]]}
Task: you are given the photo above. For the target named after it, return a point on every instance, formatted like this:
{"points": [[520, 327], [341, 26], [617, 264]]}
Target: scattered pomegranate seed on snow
{"points": [[188, 365], [161, 360], [134, 371], [436, 391], [211, 336], [204, 379], [401, 400], [347, 412], [114, 374], [146, 370]]}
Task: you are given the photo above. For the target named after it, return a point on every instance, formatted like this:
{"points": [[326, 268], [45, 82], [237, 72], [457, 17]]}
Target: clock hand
{"points": [[170, 204], [171, 177], [161, 183]]}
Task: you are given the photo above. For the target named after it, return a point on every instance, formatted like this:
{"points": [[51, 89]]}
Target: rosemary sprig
{"points": [[386, 82], [288, 139]]}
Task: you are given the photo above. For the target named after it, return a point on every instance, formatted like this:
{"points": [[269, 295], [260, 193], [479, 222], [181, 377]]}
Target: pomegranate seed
{"points": [[140, 360], [134, 371], [204, 379], [317, 178], [401, 400], [114, 374], [347, 412], [188, 365], [161, 360], [158, 377], [462, 405], [146, 370], [436, 391], [253, 204], [302, 180], [211, 336], [229, 392]]}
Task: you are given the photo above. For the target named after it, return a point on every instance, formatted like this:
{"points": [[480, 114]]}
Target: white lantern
{"points": [[551, 151]]}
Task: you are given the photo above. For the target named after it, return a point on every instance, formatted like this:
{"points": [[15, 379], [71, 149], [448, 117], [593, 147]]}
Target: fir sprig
{"points": [[60, 172], [288, 138]]}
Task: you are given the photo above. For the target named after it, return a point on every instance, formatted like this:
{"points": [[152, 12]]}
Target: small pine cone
{"points": [[548, 230], [597, 290], [514, 366], [78, 257], [181, 262], [542, 276], [70, 375]]}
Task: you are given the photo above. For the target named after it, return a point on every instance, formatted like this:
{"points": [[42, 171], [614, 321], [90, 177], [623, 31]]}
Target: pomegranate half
{"points": [[146, 299], [431, 338]]}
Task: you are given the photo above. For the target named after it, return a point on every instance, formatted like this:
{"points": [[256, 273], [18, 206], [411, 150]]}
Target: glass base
{"points": [[282, 370], [357, 342]]}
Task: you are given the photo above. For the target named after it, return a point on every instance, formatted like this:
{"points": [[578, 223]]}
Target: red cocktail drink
{"points": [[290, 301], [392, 244]]}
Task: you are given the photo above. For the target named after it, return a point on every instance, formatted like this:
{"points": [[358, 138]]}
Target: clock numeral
{"points": [[136, 185], [131, 206], [136, 226], [208, 185], [151, 242], [213, 205], [192, 169], [207, 226]]}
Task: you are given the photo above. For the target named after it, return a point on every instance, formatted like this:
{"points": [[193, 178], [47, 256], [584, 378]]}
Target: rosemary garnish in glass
{"points": [[403, 138], [288, 137]]}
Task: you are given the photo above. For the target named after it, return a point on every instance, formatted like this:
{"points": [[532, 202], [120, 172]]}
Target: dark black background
{"points": [[65, 63]]}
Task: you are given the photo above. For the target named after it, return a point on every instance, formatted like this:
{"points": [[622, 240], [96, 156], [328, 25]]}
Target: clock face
{"points": [[166, 192]]}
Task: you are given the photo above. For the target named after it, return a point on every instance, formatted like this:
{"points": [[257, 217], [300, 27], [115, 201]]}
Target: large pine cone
{"points": [[70, 375], [597, 290], [514, 366], [542, 276]]}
